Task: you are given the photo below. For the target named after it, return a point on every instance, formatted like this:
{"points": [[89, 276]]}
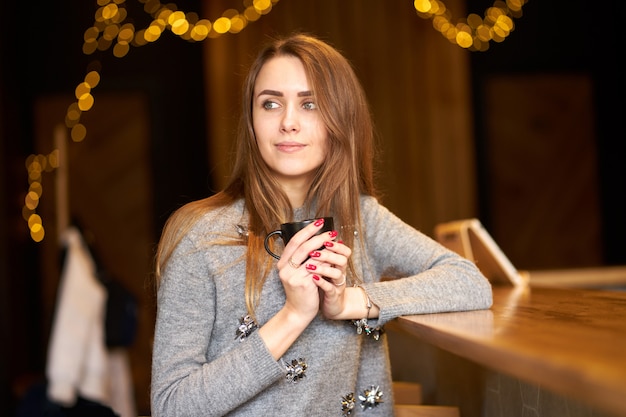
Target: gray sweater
{"points": [[201, 368]]}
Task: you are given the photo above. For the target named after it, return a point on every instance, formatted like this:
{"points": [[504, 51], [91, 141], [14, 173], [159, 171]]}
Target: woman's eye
{"points": [[269, 105], [309, 105]]}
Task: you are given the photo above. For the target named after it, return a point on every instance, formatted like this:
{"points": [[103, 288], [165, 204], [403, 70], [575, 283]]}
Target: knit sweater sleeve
{"points": [[425, 277], [185, 381]]}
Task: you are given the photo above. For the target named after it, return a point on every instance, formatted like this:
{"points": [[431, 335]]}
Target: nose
{"points": [[289, 122]]}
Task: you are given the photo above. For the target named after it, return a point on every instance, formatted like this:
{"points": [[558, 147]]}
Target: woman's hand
{"points": [[325, 263], [329, 267], [296, 273], [312, 270], [302, 302], [311, 262]]}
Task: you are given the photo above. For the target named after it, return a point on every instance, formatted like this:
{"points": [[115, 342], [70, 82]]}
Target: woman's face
{"points": [[288, 126]]}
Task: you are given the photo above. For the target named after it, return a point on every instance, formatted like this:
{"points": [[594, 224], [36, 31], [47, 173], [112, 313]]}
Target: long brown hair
{"points": [[345, 175]]}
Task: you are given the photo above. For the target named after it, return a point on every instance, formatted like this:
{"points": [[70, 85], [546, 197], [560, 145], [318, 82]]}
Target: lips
{"points": [[290, 147]]}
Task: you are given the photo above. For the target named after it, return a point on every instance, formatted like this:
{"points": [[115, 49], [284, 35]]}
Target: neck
{"points": [[296, 192]]}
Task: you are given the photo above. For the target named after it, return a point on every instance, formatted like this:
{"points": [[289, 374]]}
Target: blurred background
{"points": [[525, 132]]}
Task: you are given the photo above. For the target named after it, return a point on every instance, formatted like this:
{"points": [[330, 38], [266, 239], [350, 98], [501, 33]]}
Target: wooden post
{"points": [[62, 186]]}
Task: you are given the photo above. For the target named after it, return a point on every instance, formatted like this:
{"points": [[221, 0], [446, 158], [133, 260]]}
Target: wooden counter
{"points": [[572, 342]]}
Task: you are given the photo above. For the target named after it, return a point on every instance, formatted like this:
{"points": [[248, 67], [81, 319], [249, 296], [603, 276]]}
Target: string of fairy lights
{"points": [[111, 31]]}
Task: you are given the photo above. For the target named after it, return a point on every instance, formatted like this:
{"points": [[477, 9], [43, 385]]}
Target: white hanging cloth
{"points": [[78, 360]]}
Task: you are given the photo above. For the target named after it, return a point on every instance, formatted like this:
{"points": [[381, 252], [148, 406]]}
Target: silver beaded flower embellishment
{"points": [[296, 370], [371, 397], [363, 327], [347, 404], [242, 231], [246, 326]]}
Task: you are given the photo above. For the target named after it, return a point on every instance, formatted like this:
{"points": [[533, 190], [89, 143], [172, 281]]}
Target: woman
{"points": [[240, 334]]}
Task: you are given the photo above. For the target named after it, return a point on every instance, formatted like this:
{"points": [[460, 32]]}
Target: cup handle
{"points": [[267, 240]]}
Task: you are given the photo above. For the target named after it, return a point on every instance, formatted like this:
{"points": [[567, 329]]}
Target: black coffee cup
{"points": [[287, 230]]}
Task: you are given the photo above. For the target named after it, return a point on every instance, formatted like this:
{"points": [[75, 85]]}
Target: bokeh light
{"points": [[473, 32]]}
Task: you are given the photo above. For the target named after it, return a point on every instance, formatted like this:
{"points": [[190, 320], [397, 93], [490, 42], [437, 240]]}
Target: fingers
{"points": [[297, 251], [318, 255]]}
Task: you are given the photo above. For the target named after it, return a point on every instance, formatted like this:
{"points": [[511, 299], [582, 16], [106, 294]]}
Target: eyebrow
{"points": [[280, 94]]}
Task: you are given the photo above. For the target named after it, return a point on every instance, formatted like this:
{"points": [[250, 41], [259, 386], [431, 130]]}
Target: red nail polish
{"points": [[319, 222], [311, 267], [340, 241], [314, 254], [332, 234], [316, 278], [328, 244]]}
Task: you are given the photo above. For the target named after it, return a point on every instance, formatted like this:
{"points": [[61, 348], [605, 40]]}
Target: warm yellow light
{"points": [[43, 161], [139, 39], [515, 5], [89, 47], [474, 20], [120, 16], [85, 102], [127, 32], [29, 161], [110, 32], [451, 34], [237, 24], [31, 201], [221, 25], [262, 6], [422, 6], [180, 27], [73, 115], [493, 13], [92, 79], [37, 232], [495, 35], [34, 219], [174, 17], [192, 18], [120, 49], [91, 34], [152, 33], [251, 14], [505, 23], [201, 30], [151, 6], [109, 11], [53, 159], [436, 8], [464, 39], [34, 170], [81, 90], [104, 44], [78, 133], [483, 33], [164, 15], [36, 187], [98, 16]]}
